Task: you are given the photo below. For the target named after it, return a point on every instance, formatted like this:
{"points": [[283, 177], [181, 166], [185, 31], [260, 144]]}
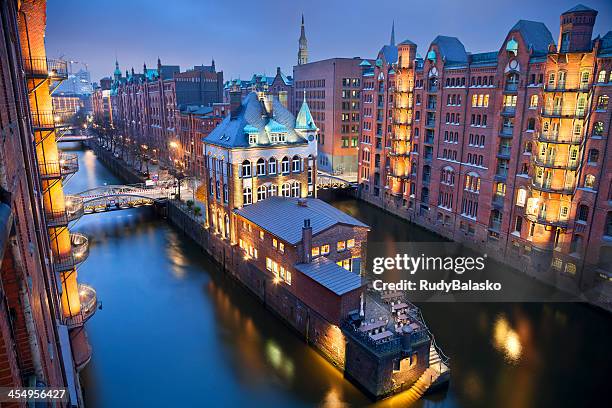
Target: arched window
{"points": [[296, 164], [602, 102], [602, 76], [218, 188], [272, 190], [589, 181], [262, 192], [246, 168], [286, 190], [261, 167], [285, 165], [295, 189], [531, 124], [583, 212], [272, 166], [247, 196], [593, 156], [227, 226]]}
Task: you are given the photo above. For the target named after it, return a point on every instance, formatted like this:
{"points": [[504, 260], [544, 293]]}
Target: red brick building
{"points": [[42, 337], [508, 149]]}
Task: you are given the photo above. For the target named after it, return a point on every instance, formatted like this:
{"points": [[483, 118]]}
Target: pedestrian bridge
{"points": [[330, 181], [122, 197]]}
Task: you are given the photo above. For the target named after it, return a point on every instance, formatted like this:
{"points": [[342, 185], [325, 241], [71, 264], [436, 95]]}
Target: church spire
{"points": [[303, 46], [392, 34]]}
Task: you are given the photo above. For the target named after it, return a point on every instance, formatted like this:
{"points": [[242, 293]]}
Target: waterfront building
{"points": [[259, 150], [332, 89], [507, 150], [153, 113], [43, 341]]}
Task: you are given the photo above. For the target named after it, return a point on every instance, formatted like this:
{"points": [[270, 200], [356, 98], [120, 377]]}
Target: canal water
{"points": [[173, 331]]}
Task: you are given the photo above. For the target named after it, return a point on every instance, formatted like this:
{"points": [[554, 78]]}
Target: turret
{"points": [[576, 29], [304, 123]]}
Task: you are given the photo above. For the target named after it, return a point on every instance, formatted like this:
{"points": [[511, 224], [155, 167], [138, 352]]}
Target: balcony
{"points": [[51, 119], [511, 87], [549, 188], [562, 87], [89, 305], [551, 163], [428, 158], [429, 140], [498, 201], [508, 110], [501, 174], [547, 219], [557, 112], [430, 124], [41, 67], [506, 132], [78, 253], [504, 152], [431, 106], [67, 164], [73, 210], [554, 137]]}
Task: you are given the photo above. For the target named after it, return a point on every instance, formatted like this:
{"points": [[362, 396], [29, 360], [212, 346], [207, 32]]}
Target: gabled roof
{"points": [[451, 49], [578, 7], [536, 35], [389, 53], [330, 275], [606, 44], [230, 132], [283, 217]]}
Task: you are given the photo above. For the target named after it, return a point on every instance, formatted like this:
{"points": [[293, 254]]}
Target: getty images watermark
{"points": [[404, 263], [450, 272]]}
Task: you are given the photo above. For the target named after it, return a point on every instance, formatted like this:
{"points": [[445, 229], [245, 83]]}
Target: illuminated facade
{"points": [[507, 149]]}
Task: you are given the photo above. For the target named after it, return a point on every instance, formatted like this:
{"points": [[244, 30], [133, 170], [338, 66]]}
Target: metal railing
{"points": [[547, 219], [564, 112], [67, 164], [555, 137], [79, 251], [506, 131], [89, 304], [553, 163], [73, 210], [41, 67], [51, 119], [548, 187]]}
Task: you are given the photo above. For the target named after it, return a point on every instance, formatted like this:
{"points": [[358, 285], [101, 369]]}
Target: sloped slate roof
{"points": [[578, 7], [606, 44], [451, 49], [284, 218], [407, 42], [536, 35], [330, 275], [230, 132], [304, 119], [389, 52]]}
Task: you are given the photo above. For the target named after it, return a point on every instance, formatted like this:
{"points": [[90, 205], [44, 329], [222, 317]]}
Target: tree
{"points": [[189, 204], [197, 211]]}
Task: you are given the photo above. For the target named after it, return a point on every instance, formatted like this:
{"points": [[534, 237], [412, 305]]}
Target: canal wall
{"points": [[378, 372]]}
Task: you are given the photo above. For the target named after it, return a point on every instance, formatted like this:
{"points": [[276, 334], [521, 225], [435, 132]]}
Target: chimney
{"points": [[282, 98], [306, 241], [235, 97]]}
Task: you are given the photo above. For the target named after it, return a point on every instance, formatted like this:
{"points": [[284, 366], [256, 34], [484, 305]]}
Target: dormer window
{"points": [[278, 137], [252, 138]]}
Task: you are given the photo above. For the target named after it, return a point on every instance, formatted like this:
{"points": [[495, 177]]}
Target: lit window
{"points": [[341, 246], [281, 247], [316, 251], [261, 235], [274, 243], [521, 197], [557, 264], [350, 243], [533, 102], [570, 268]]}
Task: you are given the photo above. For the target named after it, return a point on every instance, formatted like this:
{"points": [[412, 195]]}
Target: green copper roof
{"points": [[304, 119], [275, 127], [250, 129]]}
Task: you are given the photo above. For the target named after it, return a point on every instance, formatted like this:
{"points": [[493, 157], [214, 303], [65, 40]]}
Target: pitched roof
{"points": [[578, 7], [230, 132], [407, 42], [389, 52], [451, 49], [606, 44], [304, 119], [330, 275], [283, 217], [536, 35]]}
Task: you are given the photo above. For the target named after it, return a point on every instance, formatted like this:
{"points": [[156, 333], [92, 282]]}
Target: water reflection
{"points": [[506, 340]]}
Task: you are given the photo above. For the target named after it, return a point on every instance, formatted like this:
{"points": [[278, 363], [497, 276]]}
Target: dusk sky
{"points": [[257, 36]]}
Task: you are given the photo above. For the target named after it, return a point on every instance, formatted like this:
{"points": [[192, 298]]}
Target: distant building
{"points": [[506, 151], [332, 88]]}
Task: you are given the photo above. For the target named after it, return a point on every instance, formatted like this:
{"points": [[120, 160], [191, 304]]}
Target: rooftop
{"points": [[330, 275], [283, 217]]}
